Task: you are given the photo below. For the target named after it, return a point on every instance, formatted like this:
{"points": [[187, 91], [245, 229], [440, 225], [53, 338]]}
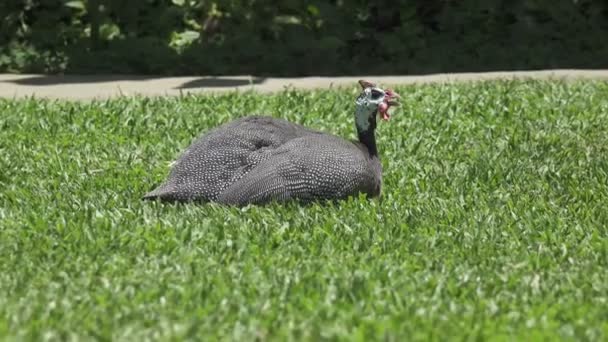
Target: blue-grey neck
{"points": [[365, 121]]}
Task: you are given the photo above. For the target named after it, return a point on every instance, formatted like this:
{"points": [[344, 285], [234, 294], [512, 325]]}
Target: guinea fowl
{"points": [[259, 159]]}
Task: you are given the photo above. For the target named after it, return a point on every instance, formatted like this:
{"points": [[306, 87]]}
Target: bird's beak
{"points": [[392, 98]]}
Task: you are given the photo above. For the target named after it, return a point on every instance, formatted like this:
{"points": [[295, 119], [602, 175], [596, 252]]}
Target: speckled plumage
{"points": [[259, 159]]}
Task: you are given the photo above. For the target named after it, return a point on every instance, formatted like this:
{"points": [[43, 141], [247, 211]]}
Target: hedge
{"points": [[291, 37]]}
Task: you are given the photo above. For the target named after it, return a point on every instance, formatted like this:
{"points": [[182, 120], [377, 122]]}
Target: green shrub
{"points": [[300, 37]]}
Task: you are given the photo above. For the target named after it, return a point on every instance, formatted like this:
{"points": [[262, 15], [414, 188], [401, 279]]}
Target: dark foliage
{"points": [[291, 37]]}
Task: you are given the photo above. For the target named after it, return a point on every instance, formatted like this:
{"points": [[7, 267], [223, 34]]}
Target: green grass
{"points": [[493, 223]]}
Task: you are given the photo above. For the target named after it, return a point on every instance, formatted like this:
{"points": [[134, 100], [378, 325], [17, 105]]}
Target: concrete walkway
{"points": [[100, 87]]}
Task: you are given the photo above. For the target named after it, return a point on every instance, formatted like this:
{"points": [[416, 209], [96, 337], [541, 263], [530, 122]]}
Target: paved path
{"points": [[90, 87]]}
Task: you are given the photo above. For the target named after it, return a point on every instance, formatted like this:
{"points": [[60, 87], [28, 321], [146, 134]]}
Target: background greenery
{"points": [[492, 225], [294, 37]]}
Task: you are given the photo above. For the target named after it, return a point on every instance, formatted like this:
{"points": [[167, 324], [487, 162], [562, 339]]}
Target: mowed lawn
{"points": [[493, 222]]}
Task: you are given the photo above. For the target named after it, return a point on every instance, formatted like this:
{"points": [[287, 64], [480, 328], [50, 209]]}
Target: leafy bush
{"points": [[300, 37]]}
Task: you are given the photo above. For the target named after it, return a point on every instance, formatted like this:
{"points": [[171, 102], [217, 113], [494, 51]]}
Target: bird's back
{"points": [[307, 168], [224, 155]]}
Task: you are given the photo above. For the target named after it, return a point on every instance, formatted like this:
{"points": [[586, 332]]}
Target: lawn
{"points": [[493, 222]]}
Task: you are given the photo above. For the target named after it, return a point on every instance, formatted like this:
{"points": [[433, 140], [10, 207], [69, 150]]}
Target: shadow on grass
{"points": [[203, 82], [214, 82], [46, 80]]}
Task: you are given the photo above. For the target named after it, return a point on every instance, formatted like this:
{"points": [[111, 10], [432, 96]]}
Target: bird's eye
{"points": [[376, 94]]}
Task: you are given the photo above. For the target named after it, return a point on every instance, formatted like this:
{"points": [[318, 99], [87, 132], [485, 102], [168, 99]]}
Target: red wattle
{"points": [[382, 107], [383, 110]]}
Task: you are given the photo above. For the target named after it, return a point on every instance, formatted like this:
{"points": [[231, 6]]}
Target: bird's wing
{"points": [[223, 155], [304, 169]]}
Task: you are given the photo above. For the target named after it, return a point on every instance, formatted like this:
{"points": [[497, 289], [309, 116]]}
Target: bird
{"points": [[256, 160]]}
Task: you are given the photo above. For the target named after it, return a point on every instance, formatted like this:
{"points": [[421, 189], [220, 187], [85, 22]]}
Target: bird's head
{"points": [[374, 101]]}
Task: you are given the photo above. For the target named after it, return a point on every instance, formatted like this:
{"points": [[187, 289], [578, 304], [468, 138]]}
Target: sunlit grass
{"points": [[492, 224]]}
